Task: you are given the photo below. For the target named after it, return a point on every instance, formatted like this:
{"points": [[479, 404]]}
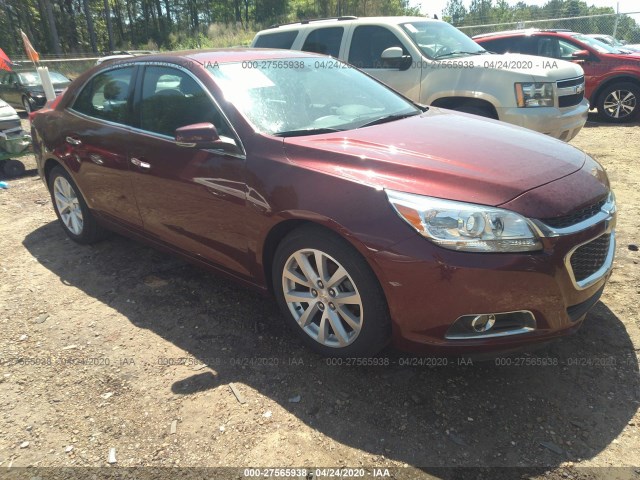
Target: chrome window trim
{"points": [[242, 155], [607, 213], [596, 276]]}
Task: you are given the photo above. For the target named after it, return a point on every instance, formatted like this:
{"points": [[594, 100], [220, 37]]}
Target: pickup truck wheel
{"points": [[329, 294], [71, 209], [619, 102], [475, 110]]}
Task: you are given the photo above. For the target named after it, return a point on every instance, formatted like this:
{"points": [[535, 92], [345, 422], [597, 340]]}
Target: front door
{"points": [[192, 199]]}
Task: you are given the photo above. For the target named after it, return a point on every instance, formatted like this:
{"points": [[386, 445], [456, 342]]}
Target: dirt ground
{"points": [[118, 346]]}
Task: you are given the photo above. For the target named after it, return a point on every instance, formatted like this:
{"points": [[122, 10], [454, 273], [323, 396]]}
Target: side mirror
{"points": [[203, 135], [393, 56], [581, 55], [392, 53]]}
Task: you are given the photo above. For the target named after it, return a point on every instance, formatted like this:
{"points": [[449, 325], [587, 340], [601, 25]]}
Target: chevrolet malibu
{"points": [[370, 218]]}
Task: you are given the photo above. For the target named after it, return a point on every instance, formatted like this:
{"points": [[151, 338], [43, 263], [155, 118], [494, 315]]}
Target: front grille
{"points": [[572, 82], [568, 94], [590, 257], [570, 100], [576, 216]]}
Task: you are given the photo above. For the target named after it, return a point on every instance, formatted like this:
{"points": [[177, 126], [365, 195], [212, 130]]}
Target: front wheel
{"points": [[329, 294], [26, 105], [618, 103], [71, 209]]}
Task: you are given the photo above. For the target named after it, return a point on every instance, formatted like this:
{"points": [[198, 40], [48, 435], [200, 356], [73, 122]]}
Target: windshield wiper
{"points": [[307, 131], [389, 118], [460, 52]]}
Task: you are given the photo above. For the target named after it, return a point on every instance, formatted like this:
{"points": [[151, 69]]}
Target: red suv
{"points": [[612, 77], [369, 217]]}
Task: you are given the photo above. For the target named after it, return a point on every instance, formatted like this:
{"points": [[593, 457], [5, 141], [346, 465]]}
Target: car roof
{"points": [[527, 31], [220, 55], [356, 20]]}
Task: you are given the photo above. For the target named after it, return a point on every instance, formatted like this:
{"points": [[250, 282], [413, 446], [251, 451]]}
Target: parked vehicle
{"points": [[433, 63], [9, 118], [369, 217], [615, 43], [23, 88], [120, 54], [612, 77]]}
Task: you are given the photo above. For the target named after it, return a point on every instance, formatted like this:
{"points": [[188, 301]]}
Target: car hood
{"points": [[551, 69], [442, 154]]}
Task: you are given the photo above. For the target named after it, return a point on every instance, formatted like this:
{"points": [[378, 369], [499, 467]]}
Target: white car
{"points": [[9, 118], [124, 54], [613, 42]]}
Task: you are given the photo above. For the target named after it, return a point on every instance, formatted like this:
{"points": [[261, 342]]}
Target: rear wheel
{"points": [[13, 168], [619, 102], [329, 294], [71, 209]]}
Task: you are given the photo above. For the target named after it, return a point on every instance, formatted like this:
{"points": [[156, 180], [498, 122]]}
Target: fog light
{"points": [[489, 325], [483, 323]]}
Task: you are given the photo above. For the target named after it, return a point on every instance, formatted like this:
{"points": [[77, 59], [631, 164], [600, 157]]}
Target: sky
{"points": [[431, 7]]}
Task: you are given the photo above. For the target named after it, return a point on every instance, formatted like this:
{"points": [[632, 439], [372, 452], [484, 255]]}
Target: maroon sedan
{"points": [[371, 219]]}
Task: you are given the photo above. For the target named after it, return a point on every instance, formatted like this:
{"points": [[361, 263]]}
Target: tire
{"points": [[26, 105], [619, 102], [13, 168], [71, 209], [474, 110], [352, 308]]}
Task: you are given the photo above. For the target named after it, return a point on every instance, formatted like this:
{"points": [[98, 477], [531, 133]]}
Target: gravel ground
{"points": [[119, 346]]}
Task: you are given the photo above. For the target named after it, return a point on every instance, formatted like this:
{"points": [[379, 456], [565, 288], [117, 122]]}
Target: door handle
{"points": [[139, 163], [73, 141]]}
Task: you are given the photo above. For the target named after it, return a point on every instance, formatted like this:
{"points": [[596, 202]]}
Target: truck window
{"points": [[282, 40], [324, 40], [368, 43]]}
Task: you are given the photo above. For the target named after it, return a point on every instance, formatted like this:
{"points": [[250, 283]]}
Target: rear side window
{"points": [[503, 45], [282, 40], [369, 42], [324, 40], [106, 96]]}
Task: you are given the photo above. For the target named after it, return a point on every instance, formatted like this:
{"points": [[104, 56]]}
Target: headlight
{"points": [[465, 226], [534, 94]]}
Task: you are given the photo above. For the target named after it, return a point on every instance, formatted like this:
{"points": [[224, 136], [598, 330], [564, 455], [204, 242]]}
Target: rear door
{"points": [[97, 134]]}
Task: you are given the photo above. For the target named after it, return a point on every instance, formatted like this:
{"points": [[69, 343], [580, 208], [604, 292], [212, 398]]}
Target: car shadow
{"points": [[594, 121], [566, 402]]}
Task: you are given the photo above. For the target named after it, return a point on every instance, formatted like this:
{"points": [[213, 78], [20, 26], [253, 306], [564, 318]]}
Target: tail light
{"points": [[50, 105]]}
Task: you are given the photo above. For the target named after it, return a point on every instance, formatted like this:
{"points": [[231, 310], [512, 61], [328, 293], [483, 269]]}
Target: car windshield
{"points": [[601, 47], [441, 40], [306, 96], [32, 78]]}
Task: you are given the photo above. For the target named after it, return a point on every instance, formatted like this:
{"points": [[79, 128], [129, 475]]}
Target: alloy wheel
{"points": [[68, 205], [323, 298], [620, 103]]}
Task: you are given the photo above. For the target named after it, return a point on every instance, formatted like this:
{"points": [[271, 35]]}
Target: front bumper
{"points": [[560, 123], [429, 288]]}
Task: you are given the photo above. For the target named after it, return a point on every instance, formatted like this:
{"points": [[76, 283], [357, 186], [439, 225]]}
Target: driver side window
{"points": [[172, 99], [367, 44]]}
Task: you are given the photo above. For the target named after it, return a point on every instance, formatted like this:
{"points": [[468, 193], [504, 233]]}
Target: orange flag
{"points": [[31, 52]]}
